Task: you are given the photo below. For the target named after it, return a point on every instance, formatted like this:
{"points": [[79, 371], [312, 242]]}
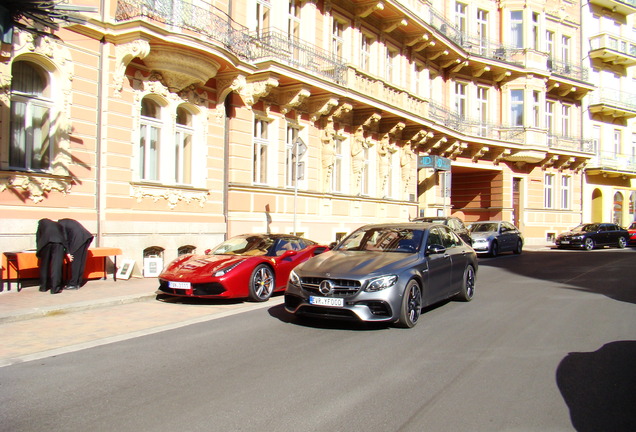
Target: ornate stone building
{"points": [[167, 125]]}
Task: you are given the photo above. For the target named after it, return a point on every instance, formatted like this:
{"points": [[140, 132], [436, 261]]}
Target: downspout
{"points": [[226, 162], [98, 139]]}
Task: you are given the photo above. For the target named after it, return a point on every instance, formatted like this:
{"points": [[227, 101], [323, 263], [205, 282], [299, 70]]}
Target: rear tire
{"points": [[411, 305], [622, 242], [262, 283], [468, 285]]}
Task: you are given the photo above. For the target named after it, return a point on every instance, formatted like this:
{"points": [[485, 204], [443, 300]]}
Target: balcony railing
{"points": [[613, 48], [567, 69], [208, 22], [293, 52], [614, 100], [614, 162], [562, 142]]}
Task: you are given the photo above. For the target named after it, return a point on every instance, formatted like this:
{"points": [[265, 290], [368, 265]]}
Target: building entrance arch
{"points": [[617, 209]]}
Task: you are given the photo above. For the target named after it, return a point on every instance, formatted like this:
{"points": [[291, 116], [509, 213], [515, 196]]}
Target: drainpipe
{"points": [[101, 80], [226, 162]]}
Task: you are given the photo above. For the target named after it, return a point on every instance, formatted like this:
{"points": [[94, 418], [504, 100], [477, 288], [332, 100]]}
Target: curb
{"points": [[27, 314]]}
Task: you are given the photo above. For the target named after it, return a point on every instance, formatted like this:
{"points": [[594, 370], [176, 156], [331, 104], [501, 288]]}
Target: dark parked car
{"points": [[494, 237], [384, 273], [590, 235], [453, 223], [250, 265], [632, 234]]}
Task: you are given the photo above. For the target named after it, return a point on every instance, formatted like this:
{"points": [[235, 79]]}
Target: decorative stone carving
{"points": [[179, 67], [172, 195], [385, 149], [290, 97], [407, 159], [327, 136], [35, 186], [359, 144], [124, 54], [318, 106], [257, 87]]}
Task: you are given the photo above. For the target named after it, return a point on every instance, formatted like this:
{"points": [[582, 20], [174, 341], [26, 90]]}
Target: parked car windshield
{"points": [[250, 245], [383, 240], [483, 227], [633, 225], [586, 228]]}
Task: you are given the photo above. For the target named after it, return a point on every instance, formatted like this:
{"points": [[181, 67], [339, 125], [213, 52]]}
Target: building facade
{"points": [[165, 126]]}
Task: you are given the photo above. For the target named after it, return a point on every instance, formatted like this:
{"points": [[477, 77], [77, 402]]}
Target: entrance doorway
{"points": [[597, 206]]}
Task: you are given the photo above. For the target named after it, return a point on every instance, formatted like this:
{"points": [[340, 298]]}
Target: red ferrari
{"points": [[632, 234], [252, 266]]}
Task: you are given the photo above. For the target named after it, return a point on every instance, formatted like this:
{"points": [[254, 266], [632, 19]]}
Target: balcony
{"points": [[613, 49], [280, 47], [623, 7], [613, 103], [610, 164]]}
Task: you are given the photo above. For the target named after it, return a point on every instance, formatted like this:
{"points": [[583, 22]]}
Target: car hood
{"points": [[571, 233], [356, 264], [198, 263]]}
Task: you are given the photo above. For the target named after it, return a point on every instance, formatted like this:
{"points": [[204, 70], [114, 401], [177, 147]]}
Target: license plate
{"points": [[565, 241], [179, 285], [326, 301]]}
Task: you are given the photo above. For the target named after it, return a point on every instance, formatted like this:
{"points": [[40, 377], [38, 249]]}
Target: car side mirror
{"points": [[207, 251], [333, 245], [288, 253], [435, 249]]}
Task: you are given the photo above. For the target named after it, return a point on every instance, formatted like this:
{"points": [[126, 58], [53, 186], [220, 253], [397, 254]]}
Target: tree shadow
{"points": [[599, 387], [579, 270]]}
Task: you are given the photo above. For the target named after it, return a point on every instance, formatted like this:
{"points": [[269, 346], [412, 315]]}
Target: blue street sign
{"points": [[437, 162]]}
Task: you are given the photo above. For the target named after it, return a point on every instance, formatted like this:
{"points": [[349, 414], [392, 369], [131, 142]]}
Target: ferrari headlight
{"points": [[294, 279], [226, 270], [381, 283]]}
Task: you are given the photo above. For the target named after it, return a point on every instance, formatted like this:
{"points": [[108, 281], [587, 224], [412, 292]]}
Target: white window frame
{"points": [[366, 47], [517, 108], [461, 17], [536, 108], [337, 174], [482, 109], [482, 30], [566, 120], [516, 28], [263, 16], [566, 186], [548, 191], [184, 149], [461, 102], [261, 147], [150, 151]]}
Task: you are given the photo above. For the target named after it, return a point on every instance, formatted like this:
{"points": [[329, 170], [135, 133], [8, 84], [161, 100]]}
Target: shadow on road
{"points": [[599, 271], [600, 387], [281, 314]]}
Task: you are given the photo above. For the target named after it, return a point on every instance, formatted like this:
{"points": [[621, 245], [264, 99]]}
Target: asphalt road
{"points": [[548, 344]]}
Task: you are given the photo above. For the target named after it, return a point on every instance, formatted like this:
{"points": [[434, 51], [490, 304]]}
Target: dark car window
{"points": [[633, 225], [383, 240], [449, 238], [483, 227], [434, 237]]}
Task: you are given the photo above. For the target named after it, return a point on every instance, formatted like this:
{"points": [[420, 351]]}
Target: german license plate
{"points": [[326, 301], [179, 285], [565, 241]]}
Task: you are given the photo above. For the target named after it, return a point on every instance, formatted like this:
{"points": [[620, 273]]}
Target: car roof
{"points": [[403, 225]]}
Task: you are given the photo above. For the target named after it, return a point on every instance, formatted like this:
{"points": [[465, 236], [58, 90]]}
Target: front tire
{"points": [[261, 283], [411, 305], [468, 285], [588, 244], [622, 242], [519, 247], [494, 249]]}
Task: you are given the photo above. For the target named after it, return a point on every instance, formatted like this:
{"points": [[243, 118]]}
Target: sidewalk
{"points": [[30, 303]]}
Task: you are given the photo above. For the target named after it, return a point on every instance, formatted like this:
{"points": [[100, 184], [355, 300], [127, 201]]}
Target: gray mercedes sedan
{"points": [[384, 273]]}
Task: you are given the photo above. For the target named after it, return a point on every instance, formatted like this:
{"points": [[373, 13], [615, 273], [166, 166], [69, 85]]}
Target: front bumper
{"points": [[569, 243], [202, 290], [378, 306]]}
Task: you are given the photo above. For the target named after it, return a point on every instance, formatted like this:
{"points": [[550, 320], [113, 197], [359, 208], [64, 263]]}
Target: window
{"points": [[337, 175], [293, 20], [565, 49], [262, 16], [337, 38], [596, 139], [392, 73], [31, 139], [536, 108], [292, 158], [565, 120], [482, 110], [516, 107], [616, 150], [482, 30], [183, 146], [549, 47], [365, 53], [565, 192], [460, 17], [261, 144], [460, 100], [418, 79], [535, 31], [516, 28], [149, 139], [548, 191]]}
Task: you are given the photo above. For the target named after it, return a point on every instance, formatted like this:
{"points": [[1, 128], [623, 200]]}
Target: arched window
{"points": [[31, 144], [185, 250], [149, 140]]}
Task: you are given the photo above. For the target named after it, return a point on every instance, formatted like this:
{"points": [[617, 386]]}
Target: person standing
{"points": [[79, 239], [51, 245]]}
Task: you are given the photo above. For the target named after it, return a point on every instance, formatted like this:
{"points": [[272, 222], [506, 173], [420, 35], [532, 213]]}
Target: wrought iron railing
{"points": [[562, 142], [614, 161], [616, 98], [209, 22], [567, 69], [293, 52]]}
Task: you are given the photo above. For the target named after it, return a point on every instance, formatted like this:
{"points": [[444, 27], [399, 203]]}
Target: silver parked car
{"points": [[494, 237], [384, 273]]}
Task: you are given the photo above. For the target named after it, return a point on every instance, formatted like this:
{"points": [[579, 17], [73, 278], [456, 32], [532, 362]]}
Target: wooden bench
{"points": [[24, 265]]}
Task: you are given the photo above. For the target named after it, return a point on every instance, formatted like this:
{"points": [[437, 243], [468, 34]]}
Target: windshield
{"points": [[249, 245], [633, 225], [383, 239], [483, 227], [586, 228]]}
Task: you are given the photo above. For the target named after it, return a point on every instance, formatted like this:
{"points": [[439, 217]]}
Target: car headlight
{"points": [[294, 279], [480, 240], [226, 270], [381, 283], [577, 237]]}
